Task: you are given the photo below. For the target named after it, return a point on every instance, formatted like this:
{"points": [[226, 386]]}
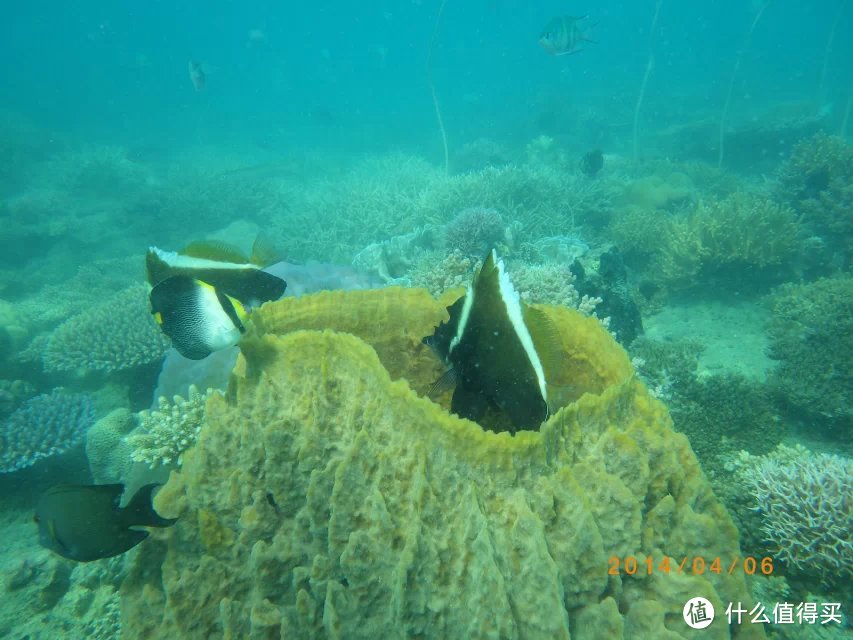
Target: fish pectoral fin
{"points": [[140, 512], [445, 382]]}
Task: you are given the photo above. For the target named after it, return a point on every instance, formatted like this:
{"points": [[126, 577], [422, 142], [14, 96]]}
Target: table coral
{"points": [[46, 425], [114, 335], [327, 497]]}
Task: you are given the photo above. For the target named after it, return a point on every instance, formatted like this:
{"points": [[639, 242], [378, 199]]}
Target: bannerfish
{"points": [[198, 318], [563, 35], [222, 266], [86, 522], [497, 349], [197, 76]]}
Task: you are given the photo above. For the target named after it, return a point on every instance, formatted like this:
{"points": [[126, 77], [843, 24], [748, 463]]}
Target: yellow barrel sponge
{"points": [[327, 497]]}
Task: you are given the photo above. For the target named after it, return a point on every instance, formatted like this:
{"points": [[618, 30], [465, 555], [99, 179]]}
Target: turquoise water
{"points": [[394, 144]]}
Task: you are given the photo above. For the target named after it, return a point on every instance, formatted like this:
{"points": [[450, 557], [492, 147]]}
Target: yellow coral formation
{"points": [[357, 508]]}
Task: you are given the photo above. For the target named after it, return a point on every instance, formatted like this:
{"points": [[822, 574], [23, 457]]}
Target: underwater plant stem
{"points": [[829, 42], [847, 111], [724, 115], [432, 87], [649, 66]]}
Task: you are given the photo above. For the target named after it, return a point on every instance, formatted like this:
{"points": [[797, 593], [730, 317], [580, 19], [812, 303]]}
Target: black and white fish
{"points": [[222, 266], [197, 317], [498, 350]]}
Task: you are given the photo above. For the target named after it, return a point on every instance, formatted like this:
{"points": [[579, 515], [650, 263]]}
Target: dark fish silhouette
{"points": [[85, 522], [496, 347]]}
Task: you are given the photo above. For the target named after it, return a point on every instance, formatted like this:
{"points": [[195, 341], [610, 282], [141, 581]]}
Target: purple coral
{"points": [[806, 503], [474, 231], [46, 425]]}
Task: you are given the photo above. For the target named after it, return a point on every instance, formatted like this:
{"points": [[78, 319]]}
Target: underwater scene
{"points": [[426, 319]]}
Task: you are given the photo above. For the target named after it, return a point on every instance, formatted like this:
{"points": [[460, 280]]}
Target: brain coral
{"points": [[326, 497], [46, 425], [117, 334]]}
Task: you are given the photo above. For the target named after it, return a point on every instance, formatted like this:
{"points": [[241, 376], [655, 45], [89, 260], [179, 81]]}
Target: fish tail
{"points": [[140, 510]]}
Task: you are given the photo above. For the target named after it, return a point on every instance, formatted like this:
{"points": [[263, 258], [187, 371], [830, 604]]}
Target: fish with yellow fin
{"points": [[222, 266], [498, 351], [198, 318]]}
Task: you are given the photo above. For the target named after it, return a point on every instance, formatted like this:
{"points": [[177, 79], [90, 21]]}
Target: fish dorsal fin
{"points": [[215, 250], [264, 252], [546, 339], [140, 511], [156, 268]]}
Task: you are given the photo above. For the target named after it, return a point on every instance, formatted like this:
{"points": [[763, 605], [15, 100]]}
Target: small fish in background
{"points": [[591, 163], [223, 266], [197, 76], [86, 522], [563, 35], [198, 318], [498, 351]]}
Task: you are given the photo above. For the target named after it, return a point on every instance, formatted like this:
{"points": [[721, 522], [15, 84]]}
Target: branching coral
{"points": [[46, 425], [115, 335], [437, 272], [164, 434], [806, 503], [474, 231], [740, 231]]}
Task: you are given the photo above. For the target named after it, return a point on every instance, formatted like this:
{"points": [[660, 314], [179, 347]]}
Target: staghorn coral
{"points": [[114, 335], [474, 231], [44, 426], [166, 433], [326, 498], [811, 335], [806, 505]]}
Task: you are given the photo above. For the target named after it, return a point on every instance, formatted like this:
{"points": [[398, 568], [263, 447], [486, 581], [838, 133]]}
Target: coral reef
{"points": [[817, 181], [711, 242], [720, 414], [474, 231], [720, 238], [48, 597], [114, 335], [326, 497], [46, 425], [806, 505], [165, 433], [438, 272], [13, 393], [811, 335], [107, 448]]}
